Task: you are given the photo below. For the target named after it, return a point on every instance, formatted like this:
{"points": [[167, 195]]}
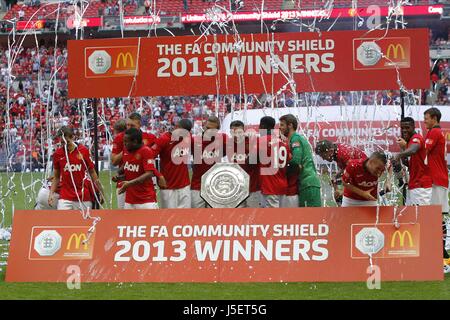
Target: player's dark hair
{"points": [[379, 155], [120, 125], [215, 120], [290, 119], [135, 116], [434, 113], [185, 124], [267, 123], [66, 132], [323, 146], [408, 120], [135, 135], [237, 124]]}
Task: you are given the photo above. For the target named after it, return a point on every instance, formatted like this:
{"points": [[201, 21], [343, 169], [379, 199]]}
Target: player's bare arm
{"points": [[97, 184], [413, 149]]}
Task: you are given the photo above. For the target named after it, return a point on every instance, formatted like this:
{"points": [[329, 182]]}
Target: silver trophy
{"points": [[225, 185]]}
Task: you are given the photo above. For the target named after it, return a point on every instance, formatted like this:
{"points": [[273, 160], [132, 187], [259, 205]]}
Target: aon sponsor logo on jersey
{"points": [[211, 154], [131, 167], [72, 167], [180, 152], [239, 157], [368, 184]]}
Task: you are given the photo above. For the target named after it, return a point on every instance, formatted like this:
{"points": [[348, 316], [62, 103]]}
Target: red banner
{"points": [[84, 22], [314, 13], [30, 25], [189, 65], [228, 245], [141, 20]]}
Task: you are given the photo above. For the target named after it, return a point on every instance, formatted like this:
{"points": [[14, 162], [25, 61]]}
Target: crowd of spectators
{"points": [[440, 82], [37, 105]]}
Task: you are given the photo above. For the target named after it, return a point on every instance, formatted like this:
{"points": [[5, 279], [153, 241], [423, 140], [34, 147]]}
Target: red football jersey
{"points": [[206, 154], [357, 175], [240, 153], [78, 165], [419, 176], [345, 153], [135, 165], [272, 174], [147, 138], [436, 148], [174, 157]]}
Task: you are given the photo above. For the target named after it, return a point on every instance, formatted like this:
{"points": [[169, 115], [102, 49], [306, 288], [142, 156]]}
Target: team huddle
{"points": [[280, 165]]}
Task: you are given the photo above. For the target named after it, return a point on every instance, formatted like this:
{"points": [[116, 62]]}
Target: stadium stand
{"points": [[176, 7], [49, 10]]}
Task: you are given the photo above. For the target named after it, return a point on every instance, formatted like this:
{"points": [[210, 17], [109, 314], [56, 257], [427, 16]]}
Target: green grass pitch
{"points": [[23, 199]]}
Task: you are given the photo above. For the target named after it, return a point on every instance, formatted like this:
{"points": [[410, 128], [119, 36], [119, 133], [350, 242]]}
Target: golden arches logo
{"points": [[78, 241], [401, 236], [395, 48], [124, 57]]}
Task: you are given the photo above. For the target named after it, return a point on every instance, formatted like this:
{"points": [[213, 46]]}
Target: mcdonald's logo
{"points": [[124, 59], [395, 48], [401, 236], [78, 238]]}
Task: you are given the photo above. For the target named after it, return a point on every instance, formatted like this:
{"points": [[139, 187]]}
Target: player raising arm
{"points": [[413, 146]]}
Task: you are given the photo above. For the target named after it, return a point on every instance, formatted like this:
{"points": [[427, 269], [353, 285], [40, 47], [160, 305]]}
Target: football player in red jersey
{"points": [[341, 153], [74, 169], [174, 151], [138, 168], [436, 153], [412, 145], [133, 121], [360, 180], [208, 149], [119, 128], [238, 152], [273, 156]]}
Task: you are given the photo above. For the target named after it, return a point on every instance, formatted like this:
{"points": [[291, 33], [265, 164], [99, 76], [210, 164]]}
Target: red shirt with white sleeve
{"points": [[136, 164], [357, 175], [76, 165], [436, 149]]}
